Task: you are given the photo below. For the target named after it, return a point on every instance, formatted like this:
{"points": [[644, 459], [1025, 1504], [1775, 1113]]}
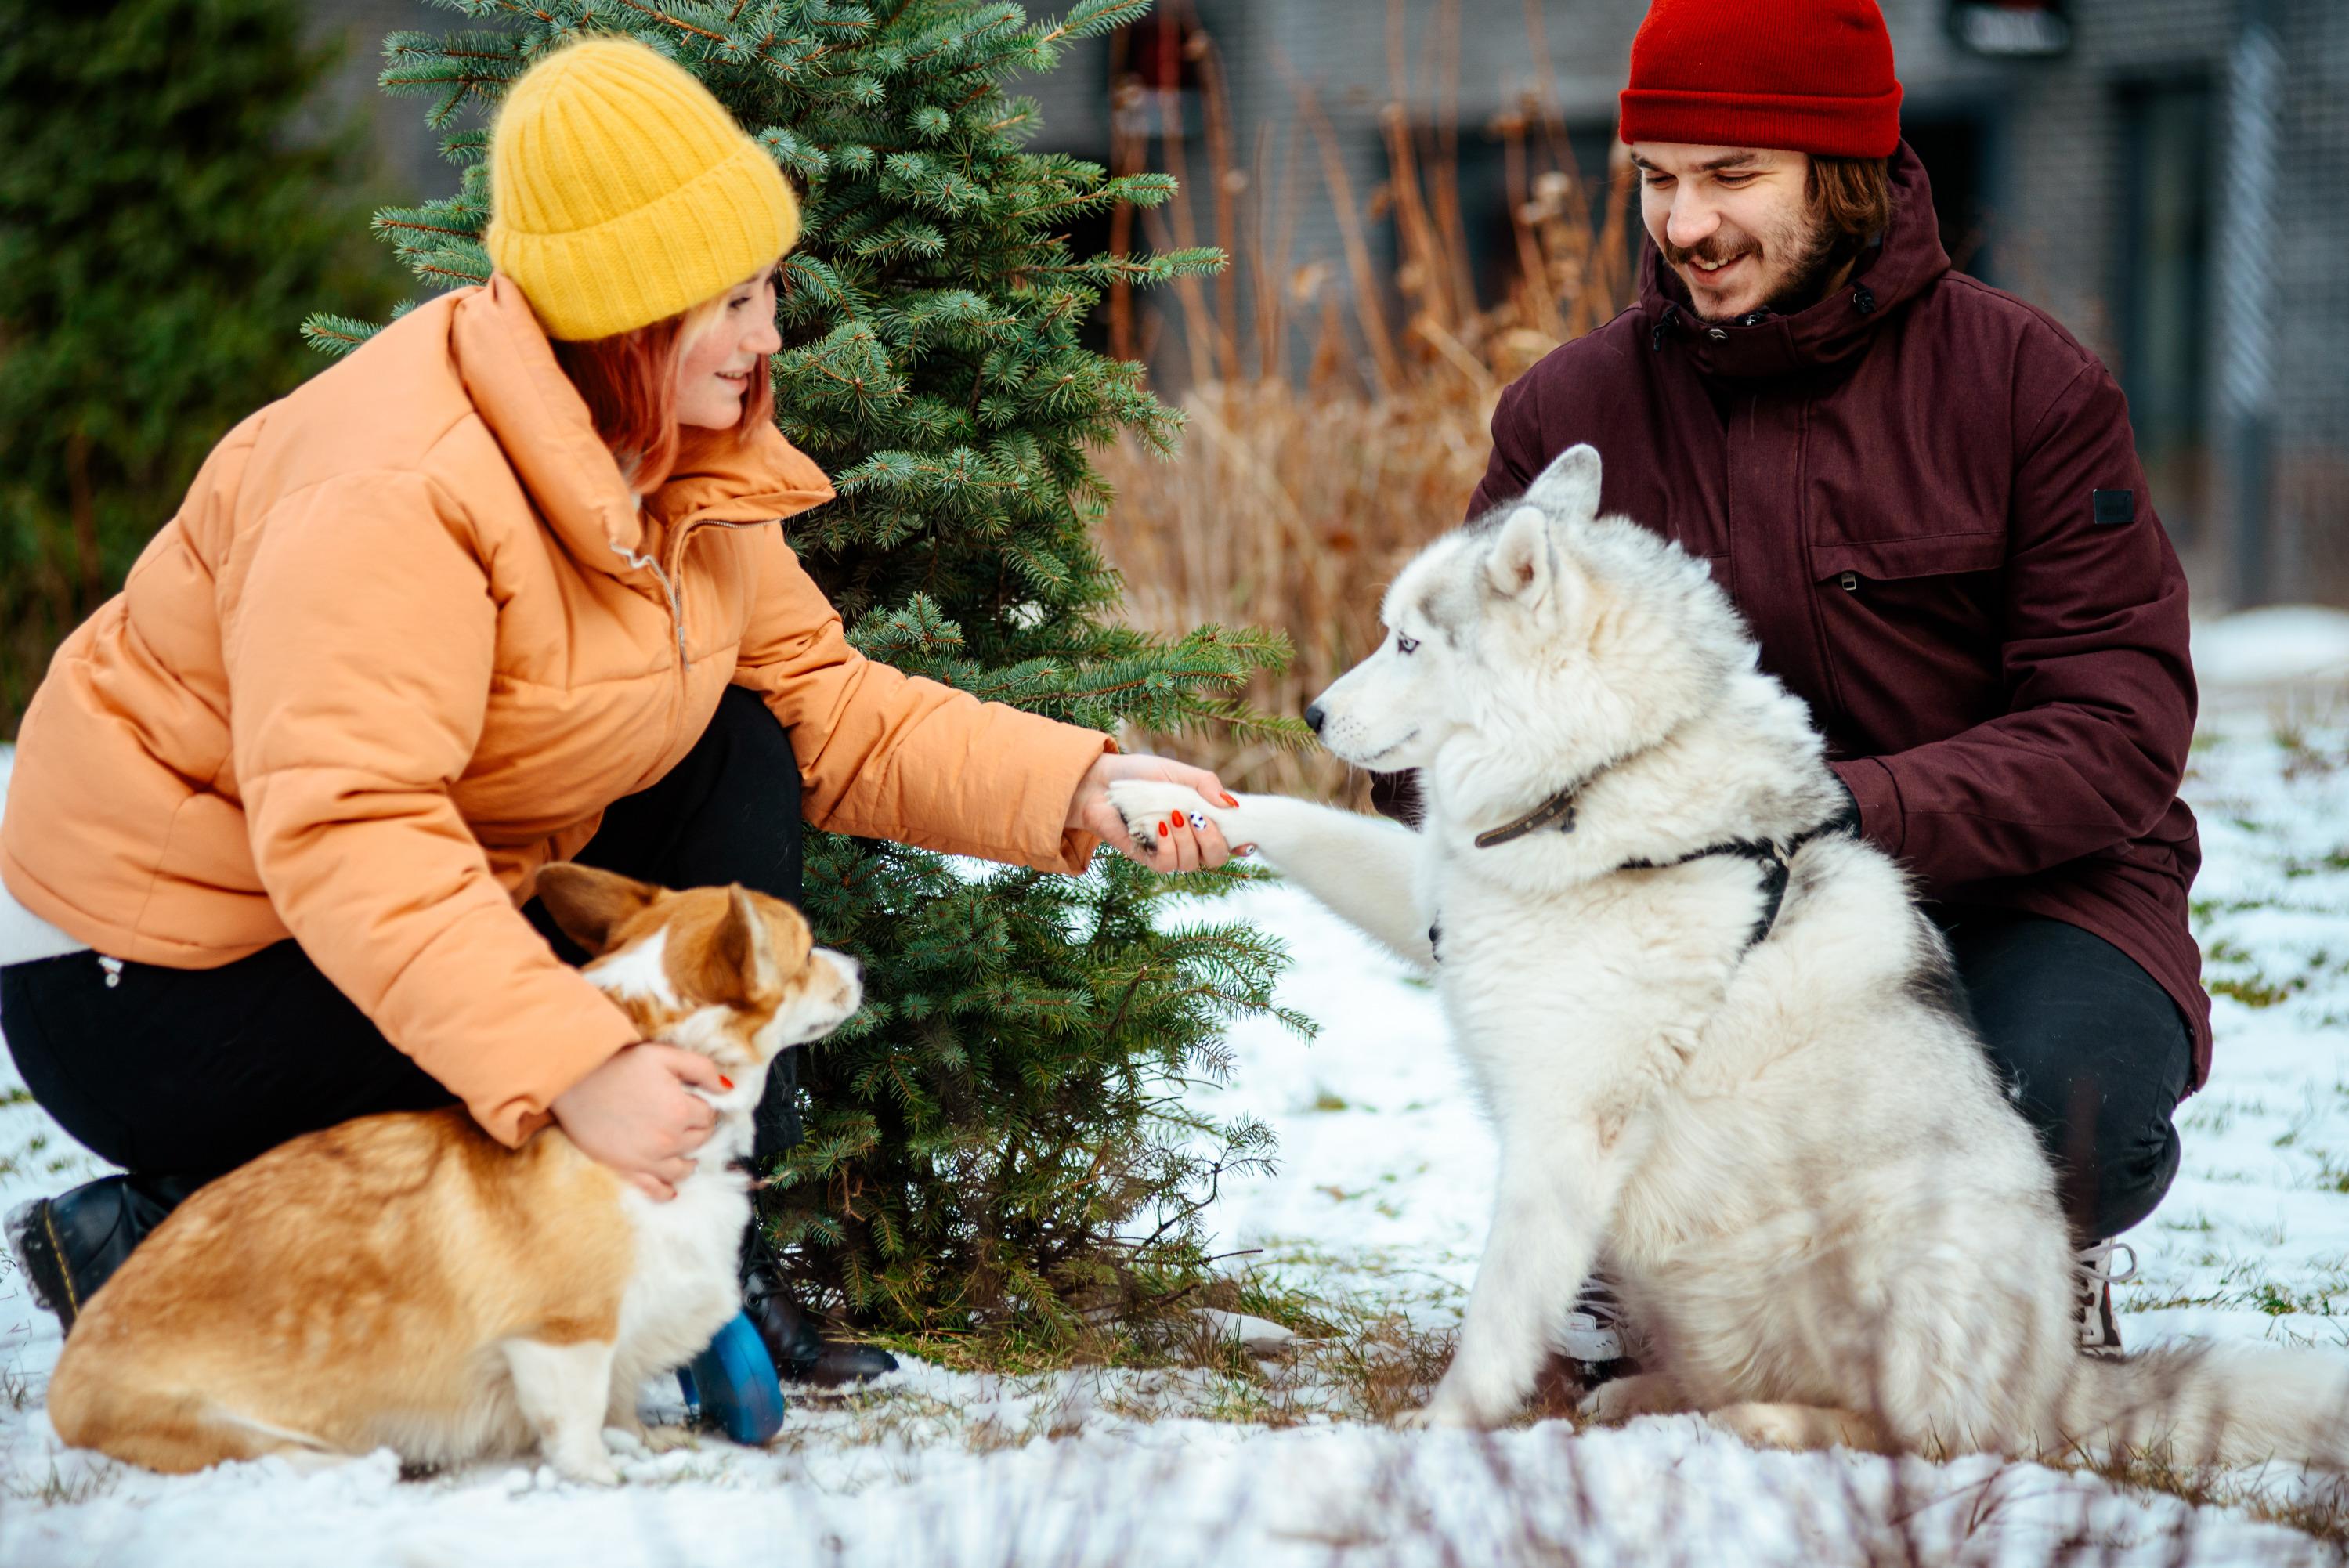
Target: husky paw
{"points": [[1438, 1415], [1145, 802], [1468, 1402], [1620, 1399]]}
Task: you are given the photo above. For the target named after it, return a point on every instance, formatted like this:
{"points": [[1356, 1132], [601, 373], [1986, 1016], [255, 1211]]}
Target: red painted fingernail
{"points": [[727, 1081], [1231, 800]]}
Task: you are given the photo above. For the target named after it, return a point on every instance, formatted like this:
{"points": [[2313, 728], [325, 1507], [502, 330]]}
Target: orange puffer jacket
{"points": [[406, 638]]}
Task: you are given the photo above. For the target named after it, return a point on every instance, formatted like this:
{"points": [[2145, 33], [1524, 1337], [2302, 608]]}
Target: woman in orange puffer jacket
{"points": [[506, 586]]}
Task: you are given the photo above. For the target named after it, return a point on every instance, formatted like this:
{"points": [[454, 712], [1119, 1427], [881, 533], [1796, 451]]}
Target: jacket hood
{"points": [[1908, 261], [515, 384]]}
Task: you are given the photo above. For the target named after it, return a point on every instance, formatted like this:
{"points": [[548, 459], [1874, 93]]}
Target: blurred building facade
{"points": [[2168, 177]]}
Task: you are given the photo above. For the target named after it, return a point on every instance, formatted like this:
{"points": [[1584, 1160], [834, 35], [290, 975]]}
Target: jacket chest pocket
{"points": [[1852, 566], [1914, 630]]}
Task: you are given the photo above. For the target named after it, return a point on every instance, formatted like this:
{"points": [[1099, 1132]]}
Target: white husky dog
{"points": [[1721, 1046]]}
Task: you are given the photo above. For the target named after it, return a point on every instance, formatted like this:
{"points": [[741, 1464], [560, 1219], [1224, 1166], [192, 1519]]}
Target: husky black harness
{"points": [[1774, 859]]}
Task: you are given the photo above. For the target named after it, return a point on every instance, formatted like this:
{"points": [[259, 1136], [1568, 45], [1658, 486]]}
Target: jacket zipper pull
{"points": [[113, 967]]}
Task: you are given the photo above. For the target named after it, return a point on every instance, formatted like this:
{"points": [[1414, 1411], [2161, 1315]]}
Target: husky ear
{"points": [[1521, 566], [588, 904], [1569, 488]]}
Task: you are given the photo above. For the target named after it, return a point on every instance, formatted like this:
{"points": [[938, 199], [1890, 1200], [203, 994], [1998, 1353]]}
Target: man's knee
{"points": [[2115, 1151], [2134, 1179], [2096, 1053]]}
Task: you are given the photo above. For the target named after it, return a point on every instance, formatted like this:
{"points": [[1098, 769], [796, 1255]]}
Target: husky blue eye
{"points": [[1405, 644]]}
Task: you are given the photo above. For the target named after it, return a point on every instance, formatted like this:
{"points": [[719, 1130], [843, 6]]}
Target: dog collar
{"points": [[1557, 811]]}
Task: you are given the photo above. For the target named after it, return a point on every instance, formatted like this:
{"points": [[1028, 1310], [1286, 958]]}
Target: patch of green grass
{"points": [[2280, 1300], [54, 1489], [2332, 1175], [2258, 991]]}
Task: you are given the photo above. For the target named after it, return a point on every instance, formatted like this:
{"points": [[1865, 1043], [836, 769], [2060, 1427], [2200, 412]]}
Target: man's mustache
{"points": [[1713, 253]]}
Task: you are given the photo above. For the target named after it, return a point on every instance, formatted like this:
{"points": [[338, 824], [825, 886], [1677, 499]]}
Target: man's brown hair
{"points": [[1854, 196]]}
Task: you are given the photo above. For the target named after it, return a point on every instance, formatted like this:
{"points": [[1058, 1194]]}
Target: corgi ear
{"points": [[749, 960], [589, 904], [1569, 488], [1521, 565]]}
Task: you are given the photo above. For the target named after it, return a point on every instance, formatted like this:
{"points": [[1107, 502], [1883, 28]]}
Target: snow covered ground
{"points": [[1379, 1201]]}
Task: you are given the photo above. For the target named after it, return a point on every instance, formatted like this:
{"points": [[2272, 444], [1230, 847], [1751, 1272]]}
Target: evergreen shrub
{"points": [[161, 228]]}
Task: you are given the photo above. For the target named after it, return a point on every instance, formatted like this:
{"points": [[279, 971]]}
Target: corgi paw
{"points": [[662, 1440], [638, 1442], [589, 1465]]}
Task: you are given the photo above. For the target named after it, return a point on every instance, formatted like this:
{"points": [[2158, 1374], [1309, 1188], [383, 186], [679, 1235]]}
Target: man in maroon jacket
{"points": [[1925, 498]]}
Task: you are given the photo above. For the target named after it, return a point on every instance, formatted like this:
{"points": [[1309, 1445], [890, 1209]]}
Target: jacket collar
{"points": [[1903, 265], [514, 381]]}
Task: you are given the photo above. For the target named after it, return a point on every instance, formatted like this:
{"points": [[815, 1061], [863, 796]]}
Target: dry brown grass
{"points": [[1301, 488]]}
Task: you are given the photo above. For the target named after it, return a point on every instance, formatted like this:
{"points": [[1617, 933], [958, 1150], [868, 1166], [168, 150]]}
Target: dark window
{"points": [[2162, 287]]}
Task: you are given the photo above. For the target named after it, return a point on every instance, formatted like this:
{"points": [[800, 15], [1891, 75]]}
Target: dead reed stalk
{"points": [[1298, 495]]}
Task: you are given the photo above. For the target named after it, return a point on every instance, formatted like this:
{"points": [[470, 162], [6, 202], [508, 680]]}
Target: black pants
{"points": [[2093, 1050], [189, 1073]]}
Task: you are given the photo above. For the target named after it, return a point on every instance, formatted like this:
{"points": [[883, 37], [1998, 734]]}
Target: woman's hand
{"points": [[1179, 846], [634, 1115]]}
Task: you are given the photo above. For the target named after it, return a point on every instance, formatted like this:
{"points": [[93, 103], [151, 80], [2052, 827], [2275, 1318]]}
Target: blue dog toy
{"points": [[733, 1383]]}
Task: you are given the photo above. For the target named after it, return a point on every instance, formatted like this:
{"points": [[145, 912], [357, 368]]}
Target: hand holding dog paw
{"points": [[1173, 840], [634, 1114]]}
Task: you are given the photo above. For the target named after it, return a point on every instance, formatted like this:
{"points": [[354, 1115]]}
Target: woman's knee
{"points": [[751, 728]]}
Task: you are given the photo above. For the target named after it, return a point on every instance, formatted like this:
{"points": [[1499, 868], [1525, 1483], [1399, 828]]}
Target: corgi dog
{"points": [[404, 1280]]}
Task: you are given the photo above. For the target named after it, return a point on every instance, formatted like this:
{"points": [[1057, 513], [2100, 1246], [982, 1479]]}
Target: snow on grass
{"points": [[1377, 1211]]}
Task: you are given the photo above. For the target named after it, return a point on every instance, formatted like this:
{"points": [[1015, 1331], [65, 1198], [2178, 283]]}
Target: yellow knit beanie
{"points": [[621, 193]]}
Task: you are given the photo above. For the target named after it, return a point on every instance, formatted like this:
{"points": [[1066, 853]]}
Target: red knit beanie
{"points": [[1812, 75]]}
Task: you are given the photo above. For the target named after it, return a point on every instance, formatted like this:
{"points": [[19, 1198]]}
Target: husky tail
{"points": [[2211, 1405]]}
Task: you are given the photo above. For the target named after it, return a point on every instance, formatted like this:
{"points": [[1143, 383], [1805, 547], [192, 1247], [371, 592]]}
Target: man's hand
{"points": [[1180, 846], [634, 1115]]}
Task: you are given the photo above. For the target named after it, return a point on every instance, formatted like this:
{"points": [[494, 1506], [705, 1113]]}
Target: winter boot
{"points": [[802, 1355], [70, 1244], [2094, 1278], [1594, 1336]]}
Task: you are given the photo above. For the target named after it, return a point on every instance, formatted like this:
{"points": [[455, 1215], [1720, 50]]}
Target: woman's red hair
{"points": [[629, 383]]}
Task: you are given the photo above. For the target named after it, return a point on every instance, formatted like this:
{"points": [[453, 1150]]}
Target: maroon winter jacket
{"points": [[1925, 498]]}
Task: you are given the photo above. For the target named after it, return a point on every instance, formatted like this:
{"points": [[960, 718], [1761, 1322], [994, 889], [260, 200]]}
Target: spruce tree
{"points": [[999, 1141]]}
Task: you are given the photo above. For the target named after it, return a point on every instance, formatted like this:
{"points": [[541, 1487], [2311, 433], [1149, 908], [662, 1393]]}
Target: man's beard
{"points": [[1813, 261]]}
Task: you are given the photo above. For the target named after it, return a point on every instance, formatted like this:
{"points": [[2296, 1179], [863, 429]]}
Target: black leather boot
{"points": [[802, 1355], [70, 1244]]}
